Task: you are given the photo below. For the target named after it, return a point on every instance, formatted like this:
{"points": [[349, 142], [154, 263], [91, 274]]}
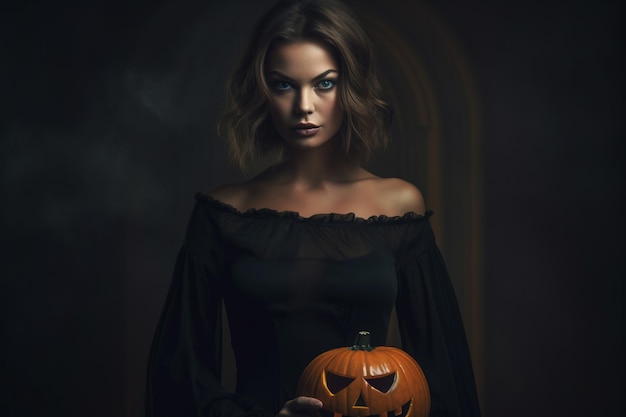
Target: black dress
{"points": [[293, 288]]}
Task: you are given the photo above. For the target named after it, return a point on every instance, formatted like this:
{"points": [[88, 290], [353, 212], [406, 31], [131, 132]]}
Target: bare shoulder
{"points": [[400, 196]]}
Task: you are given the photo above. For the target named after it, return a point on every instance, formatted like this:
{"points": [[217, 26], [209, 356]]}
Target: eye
{"points": [[336, 383], [326, 84], [382, 383], [282, 86]]}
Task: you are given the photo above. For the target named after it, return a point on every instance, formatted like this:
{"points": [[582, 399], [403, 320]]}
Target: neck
{"points": [[312, 168]]}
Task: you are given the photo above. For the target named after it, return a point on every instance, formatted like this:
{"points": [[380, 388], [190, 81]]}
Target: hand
{"points": [[300, 407]]}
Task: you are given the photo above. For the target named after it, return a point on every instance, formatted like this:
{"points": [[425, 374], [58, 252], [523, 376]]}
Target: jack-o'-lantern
{"points": [[362, 381]]}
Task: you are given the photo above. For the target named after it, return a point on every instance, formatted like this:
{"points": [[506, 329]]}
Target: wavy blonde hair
{"points": [[246, 123]]}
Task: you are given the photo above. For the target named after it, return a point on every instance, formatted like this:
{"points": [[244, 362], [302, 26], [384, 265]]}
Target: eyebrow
{"points": [[316, 78]]}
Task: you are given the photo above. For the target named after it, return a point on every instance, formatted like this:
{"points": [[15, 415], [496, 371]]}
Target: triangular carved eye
{"points": [[382, 383], [336, 383]]}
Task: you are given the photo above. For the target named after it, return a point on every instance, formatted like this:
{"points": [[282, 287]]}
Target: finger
{"points": [[300, 407], [304, 403]]}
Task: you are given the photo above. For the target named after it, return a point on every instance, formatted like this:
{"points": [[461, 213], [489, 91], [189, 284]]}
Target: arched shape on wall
{"points": [[436, 137]]}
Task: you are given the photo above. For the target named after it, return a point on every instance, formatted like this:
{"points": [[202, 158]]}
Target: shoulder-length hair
{"points": [[246, 123]]}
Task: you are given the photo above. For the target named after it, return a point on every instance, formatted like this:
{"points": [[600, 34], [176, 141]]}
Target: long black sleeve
{"points": [[185, 361], [432, 330]]}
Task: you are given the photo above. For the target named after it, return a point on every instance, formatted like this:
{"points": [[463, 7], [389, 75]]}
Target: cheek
{"points": [[277, 113], [280, 109], [335, 110], [332, 106]]}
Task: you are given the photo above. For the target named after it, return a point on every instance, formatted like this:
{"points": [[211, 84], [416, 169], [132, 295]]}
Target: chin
{"points": [[307, 143]]}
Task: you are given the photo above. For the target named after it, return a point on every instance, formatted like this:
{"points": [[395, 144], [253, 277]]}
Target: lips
{"points": [[306, 129]]}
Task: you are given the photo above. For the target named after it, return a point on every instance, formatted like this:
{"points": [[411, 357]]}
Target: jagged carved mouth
{"points": [[405, 409]]}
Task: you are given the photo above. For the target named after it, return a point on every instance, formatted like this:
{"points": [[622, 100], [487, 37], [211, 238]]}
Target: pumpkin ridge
{"points": [[406, 395]]}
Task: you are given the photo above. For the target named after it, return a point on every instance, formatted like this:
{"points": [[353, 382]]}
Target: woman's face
{"points": [[302, 78]]}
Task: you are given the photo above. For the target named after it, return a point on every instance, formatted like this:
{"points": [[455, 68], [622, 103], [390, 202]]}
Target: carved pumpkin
{"points": [[361, 381]]}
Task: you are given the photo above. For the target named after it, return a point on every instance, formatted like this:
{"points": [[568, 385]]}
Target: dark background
{"points": [[107, 115]]}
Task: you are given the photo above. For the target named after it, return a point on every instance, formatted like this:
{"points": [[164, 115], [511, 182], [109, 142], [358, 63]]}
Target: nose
{"points": [[304, 101]]}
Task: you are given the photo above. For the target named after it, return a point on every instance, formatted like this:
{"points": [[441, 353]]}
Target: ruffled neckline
{"points": [[408, 217]]}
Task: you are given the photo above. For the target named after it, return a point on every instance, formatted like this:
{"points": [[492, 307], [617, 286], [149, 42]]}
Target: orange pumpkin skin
{"points": [[361, 381]]}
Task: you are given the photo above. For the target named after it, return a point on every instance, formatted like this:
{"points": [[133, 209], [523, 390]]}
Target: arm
{"points": [[431, 327], [185, 360]]}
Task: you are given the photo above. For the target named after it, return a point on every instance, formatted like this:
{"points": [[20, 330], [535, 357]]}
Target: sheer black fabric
{"points": [[293, 288]]}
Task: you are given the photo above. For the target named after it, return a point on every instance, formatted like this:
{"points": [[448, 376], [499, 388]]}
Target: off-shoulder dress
{"points": [[294, 287]]}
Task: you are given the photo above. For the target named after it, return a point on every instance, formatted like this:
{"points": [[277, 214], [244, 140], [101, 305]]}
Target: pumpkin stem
{"points": [[362, 342]]}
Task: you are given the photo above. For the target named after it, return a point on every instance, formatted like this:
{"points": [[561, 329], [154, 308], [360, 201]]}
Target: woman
{"points": [[296, 277]]}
